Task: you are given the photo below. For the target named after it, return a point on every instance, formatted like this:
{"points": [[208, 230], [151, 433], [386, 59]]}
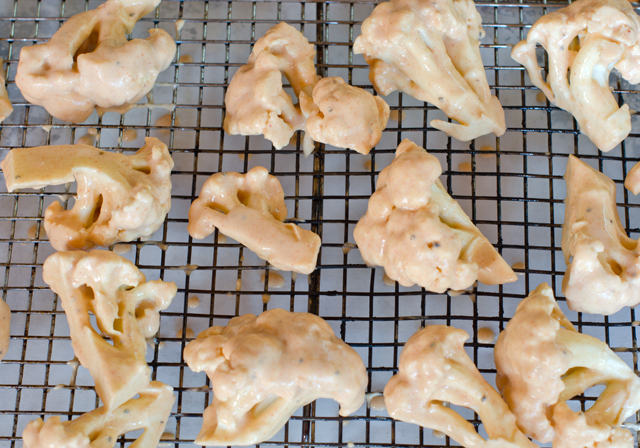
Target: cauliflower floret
{"points": [[419, 233], [632, 181], [89, 62], [250, 209], [434, 368], [585, 41], [542, 362], [126, 307], [256, 102], [573, 431], [262, 369], [119, 197], [429, 49], [603, 275], [344, 116], [5, 104], [101, 428]]}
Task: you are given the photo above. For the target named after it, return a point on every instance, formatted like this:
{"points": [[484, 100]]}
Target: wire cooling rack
{"points": [[514, 194]]}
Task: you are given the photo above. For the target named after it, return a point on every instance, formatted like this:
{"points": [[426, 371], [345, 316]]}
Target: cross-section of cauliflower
{"points": [[585, 41], [102, 427], [344, 116], [542, 362], [430, 50], [119, 197], [5, 104], [419, 233], [256, 102], [250, 209], [126, 308], [603, 264], [434, 368], [262, 369], [89, 62]]}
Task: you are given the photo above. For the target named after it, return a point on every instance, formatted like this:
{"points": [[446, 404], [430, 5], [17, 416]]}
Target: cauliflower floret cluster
{"points": [[584, 42], [603, 263], [419, 234], [262, 369], [102, 428], [126, 308], [331, 111], [250, 208], [542, 362], [89, 62], [344, 116], [433, 369], [429, 49], [119, 197], [5, 104]]}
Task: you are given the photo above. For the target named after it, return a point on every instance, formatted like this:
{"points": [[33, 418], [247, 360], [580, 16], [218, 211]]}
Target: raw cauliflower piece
{"points": [[250, 209], [89, 62], [542, 362], [5, 104], [119, 197], [419, 233], [101, 428], [344, 116], [603, 264], [126, 308], [262, 369], [429, 49], [256, 102], [585, 41], [434, 368]]}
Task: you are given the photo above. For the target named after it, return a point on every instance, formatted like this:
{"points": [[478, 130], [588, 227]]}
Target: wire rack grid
{"points": [[514, 194]]}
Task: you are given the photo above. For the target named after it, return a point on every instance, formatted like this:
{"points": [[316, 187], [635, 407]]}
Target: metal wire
{"points": [[514, 195]]}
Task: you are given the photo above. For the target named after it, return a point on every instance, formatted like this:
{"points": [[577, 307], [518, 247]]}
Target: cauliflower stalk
{"points": [[429, 49], [262, 369], [126, 307], [250, 208], [102, 427], [542, 362], [89, 62], [433, 369], [603, 264], [585, 41], [419, 233], [119, 197]]}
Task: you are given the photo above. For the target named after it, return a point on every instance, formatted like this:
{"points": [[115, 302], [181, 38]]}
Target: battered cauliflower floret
{"points": [[429, 49], [262, 369], [126, 308], [603, 264], [5, 104], [344, 116], [119, 197], [632, 181], [250, 209], [434, 368], [542, 362], [419, 233], [256, 102], [585, 41], [89, 62], [102, 428]]}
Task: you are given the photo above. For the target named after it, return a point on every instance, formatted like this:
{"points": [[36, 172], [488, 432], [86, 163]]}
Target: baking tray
{"points": [[515, 196]]}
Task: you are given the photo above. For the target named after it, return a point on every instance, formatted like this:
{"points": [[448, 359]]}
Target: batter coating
{"points": [[250, 209], [419, 234], [584, 42], [119, 198], [262, 369], [5, 104], [126, 307], [89, 62], [102, 428], [429, 49]]}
